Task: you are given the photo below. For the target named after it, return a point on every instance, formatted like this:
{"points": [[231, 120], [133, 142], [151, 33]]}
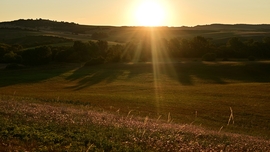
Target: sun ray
{"points": [[161, 64], [131, 44], [156, 71]]}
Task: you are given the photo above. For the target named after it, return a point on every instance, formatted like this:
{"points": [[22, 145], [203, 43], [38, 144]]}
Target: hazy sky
{"points": [[122, 12]]}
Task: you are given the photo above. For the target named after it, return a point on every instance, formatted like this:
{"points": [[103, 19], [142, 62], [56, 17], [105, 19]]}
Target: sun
{"points": [[150, 13]]}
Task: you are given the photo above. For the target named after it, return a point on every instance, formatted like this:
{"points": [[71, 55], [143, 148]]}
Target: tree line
{"points": [[97, 52]]}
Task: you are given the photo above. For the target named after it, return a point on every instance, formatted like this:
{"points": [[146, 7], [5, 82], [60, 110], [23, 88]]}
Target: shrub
{"points": [[95, 61], [12, 57], [209, 57], [14, 66]]}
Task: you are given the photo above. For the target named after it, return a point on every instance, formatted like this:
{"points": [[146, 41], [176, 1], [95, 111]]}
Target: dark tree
{"points": [[237, 46], [102, 47], [37, 56], [199, 46], [114, 53], [174, 46], [85, 51], [185, 48]]}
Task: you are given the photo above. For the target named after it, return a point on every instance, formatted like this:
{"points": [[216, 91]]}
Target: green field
{"points": [[180, 89], [193, 93]]}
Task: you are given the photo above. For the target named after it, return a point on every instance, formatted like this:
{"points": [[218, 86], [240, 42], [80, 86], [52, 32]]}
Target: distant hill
{"points": [[71, 26], [14, 31], [240, 27], [46, 24]]}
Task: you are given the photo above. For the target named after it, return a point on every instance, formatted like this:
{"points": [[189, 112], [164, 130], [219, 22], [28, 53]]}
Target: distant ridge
{"points": [[262, 27], [45, 24], [75, 27], [37, 22]]}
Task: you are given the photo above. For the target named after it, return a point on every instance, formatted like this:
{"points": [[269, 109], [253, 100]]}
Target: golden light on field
{"points": [[150, 13], [148, 43]]}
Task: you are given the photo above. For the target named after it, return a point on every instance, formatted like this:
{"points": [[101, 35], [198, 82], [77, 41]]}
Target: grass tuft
{"points": [[231, 117], [28, 125]]}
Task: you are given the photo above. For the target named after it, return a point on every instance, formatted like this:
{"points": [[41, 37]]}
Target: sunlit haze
{"points": [[150, 13], [139, 12]]}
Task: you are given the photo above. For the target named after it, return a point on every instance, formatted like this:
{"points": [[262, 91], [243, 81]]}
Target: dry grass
{"points": [[135, 134], [193, 86]]}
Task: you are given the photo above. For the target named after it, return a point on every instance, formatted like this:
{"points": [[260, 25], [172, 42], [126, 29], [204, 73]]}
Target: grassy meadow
{"points": [[161, 106]]}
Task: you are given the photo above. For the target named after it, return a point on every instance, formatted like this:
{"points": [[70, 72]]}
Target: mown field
{"points": [[175, 106]]}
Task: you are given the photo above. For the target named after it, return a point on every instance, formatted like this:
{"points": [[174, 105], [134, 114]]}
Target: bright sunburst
{"points": [[150, 13]]}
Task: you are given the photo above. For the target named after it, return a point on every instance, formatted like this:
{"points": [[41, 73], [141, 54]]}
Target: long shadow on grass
{"points": [[191, 73], [33, 74], [108, 73], [223, 72], [92, 77], [186, 73]]}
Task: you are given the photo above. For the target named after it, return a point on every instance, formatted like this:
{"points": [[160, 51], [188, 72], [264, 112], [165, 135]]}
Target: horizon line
{"points": [[71, 22]]}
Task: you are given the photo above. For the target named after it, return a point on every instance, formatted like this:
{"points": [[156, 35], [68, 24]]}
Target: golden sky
{"points": [[139, 12]]}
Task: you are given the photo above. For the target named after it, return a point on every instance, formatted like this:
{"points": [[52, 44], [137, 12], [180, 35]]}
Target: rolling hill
{"points": [[218, 33]]}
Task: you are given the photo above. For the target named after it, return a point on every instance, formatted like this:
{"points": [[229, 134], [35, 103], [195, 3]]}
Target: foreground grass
{"points": [[30, 125], [193, 93]]}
